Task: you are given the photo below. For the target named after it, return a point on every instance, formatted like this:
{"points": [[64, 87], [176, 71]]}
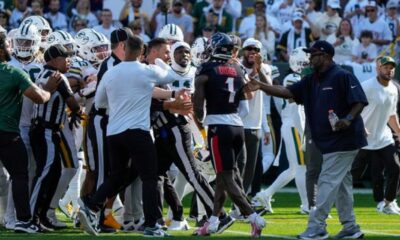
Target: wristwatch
{"points": [[349, 117]]}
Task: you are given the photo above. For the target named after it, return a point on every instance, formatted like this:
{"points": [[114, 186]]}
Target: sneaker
{"points": [[396, 206], [88, 219], [262, 201], [178, 226], [225, 223], [352, 233], [77, 223], [26, 227], [206, 229], [304, 210], [51, 216], [154, 232], [128, 226], [101, 228], [66, 209], [138, 224], [191, 218], [45, 225], [314, 233], [390, 209], [237, 215], [110, 221], [9, 224], [257, 226], [380, 206]]}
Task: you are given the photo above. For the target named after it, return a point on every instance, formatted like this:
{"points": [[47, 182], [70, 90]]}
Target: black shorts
{"points": [[225, 143]]}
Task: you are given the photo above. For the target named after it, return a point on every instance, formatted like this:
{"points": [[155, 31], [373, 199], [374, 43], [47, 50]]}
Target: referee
{"points": [[13, 83], [45, 134], [128, 100]]}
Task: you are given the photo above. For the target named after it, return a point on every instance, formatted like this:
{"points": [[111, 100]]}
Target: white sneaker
{"points": [[66, 208], [51, 215], [178, 226], [257, 226], [380, 206], [262, 201], [396, 206], [390, 209], [9, 224]]}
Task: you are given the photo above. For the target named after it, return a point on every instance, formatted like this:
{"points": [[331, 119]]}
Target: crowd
{"points": [[108, 119]]}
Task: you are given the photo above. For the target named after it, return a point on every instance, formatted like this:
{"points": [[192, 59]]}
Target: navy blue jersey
{"points": [[224, 88]]}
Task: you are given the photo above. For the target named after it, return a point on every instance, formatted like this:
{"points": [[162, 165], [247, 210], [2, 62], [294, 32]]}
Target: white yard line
{"points": [[380, 233], [355, 190]]}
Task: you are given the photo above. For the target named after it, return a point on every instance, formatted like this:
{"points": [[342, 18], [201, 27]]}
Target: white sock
{"points": [[252, 218]]}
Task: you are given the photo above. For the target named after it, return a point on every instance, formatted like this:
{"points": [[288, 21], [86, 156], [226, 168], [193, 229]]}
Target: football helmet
{"points": [[298, 60], [42, 25], [198, 51], [171, 32], [10, 37], [26, 41], [220, 46], [62, 38], [92, 45]]}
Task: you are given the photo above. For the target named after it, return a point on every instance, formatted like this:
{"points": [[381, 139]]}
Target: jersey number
{"points": [[186, 84], [231, 89], [33, 73]]}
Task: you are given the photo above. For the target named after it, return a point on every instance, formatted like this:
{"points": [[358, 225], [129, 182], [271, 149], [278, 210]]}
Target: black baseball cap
{"points": [[259, 1], [56, 51], [321, 46], [118, 35]]}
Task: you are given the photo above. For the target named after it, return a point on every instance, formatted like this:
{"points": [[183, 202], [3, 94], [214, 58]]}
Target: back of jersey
{"points": [[223, 90]]}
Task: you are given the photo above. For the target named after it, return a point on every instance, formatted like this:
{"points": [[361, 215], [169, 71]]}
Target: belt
{"points": [[41, 123]]}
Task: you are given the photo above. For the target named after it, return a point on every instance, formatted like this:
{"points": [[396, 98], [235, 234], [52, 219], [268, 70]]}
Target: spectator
{"points": [[208, 31], [343, 42], [83, 11], [297, 36], [57, 18], [20, 12], [234, 8], [131, 11], [381, 33], [283, 10], [248, 24], [310, 10], [265, 35], [339, 144], [365, 51], [354, 11], [329, 21], [37, 8], [4, 20], [106, 26], [137, 29], [77, 25], [198, 12], [187, 6], [392, 18], [225, 20], [175, 16]]}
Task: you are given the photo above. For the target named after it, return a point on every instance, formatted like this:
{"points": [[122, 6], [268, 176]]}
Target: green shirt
{"points": [[13, 83]]}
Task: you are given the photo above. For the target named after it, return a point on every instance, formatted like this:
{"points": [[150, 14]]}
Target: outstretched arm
{"points": [[273, 90]]}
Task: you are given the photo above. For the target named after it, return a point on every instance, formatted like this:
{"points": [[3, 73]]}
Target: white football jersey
{"points": [[185, 80], [292, 113], [33, 69]]}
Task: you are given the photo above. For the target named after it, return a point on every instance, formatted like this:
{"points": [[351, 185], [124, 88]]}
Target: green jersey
{"points": [[13, 83]]}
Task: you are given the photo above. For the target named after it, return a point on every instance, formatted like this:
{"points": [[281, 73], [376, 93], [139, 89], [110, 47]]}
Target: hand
{"points": [[267, 138], [180, 106], [161, 64], [233, 61], [252, 86], [91, 78], [257, 63], [53, 82], [183, 94], [342, 124], [75, 120]]}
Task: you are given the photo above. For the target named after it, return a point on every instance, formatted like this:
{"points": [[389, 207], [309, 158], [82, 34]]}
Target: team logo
{"points": [[28, 21], [84, 38], [51, 38]]}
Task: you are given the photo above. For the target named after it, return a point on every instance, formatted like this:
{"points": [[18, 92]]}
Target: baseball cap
{"points": [[260, 1], [392, 4], [387, 60], [321, 46], [237, 42], [370, 3], [297, 16], [177, 2], [56, 51], [335, 4], [118, 35], [252, 42]]}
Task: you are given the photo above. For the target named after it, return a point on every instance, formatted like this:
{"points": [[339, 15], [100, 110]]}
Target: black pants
{"points": [[258, 174], [46, 150], [174, 145], [137, 145], [384, 159], [15, 159]]}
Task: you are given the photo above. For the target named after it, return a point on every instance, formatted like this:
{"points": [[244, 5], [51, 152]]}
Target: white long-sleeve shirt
{"points": [[126, 90]]}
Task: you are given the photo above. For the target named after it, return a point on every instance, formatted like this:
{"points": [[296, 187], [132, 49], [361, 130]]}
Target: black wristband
{"points": [[173, 94]]}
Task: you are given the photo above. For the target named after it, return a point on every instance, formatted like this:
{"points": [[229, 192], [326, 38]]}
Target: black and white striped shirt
{"points": [[53, 111]]}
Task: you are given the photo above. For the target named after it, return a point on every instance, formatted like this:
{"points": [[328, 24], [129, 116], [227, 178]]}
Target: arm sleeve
{"points": [[23, 79], [161, 76]]}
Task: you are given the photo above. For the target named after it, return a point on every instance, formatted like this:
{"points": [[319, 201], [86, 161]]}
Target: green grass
{"points": [[284, 223]]}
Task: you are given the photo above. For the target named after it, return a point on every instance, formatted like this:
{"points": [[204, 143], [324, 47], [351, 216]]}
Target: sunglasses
{"points": [[252, 48], [370, 10]]}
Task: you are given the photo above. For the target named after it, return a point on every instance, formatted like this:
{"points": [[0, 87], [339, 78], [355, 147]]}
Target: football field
{"points": [[285, 223]]}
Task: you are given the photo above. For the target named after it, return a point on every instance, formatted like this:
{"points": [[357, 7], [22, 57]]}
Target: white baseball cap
{"points": [[334, 4], [252, 42], [392, 4], [370, 3], [297, 16]]}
